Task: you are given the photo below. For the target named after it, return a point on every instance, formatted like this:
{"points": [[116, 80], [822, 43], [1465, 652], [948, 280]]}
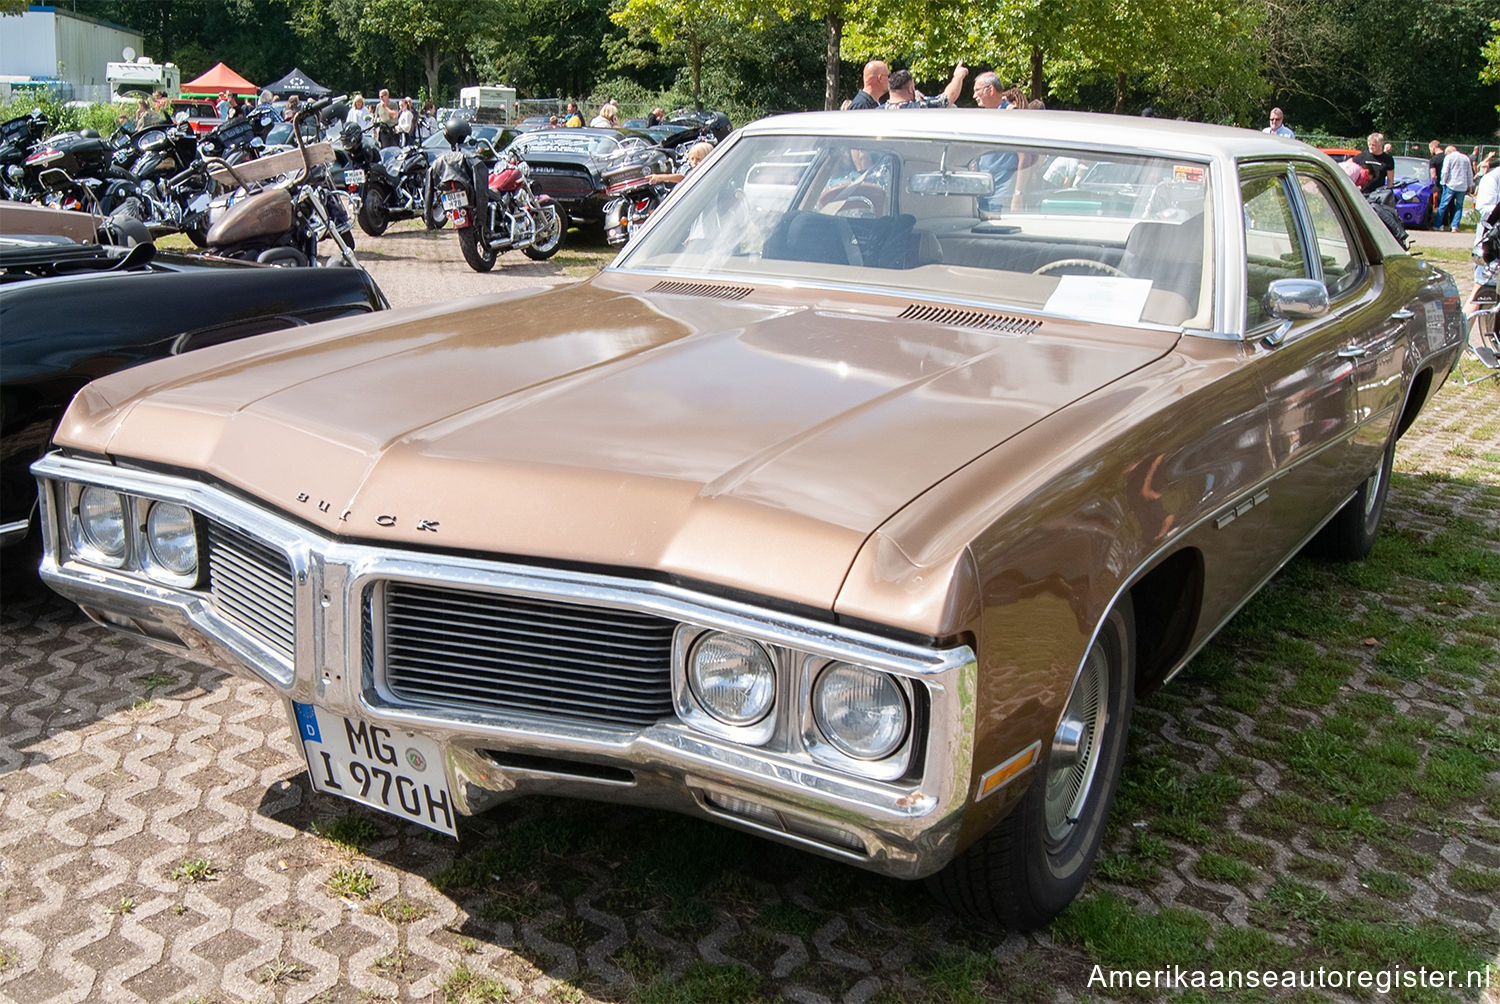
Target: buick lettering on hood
{"points": [[854, 504]]}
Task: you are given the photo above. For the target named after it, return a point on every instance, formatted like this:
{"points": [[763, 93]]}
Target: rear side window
{"points": [[1342, 267]]}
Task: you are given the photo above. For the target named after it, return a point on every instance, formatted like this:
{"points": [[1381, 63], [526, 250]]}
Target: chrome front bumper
{"points": [[905, 828]]}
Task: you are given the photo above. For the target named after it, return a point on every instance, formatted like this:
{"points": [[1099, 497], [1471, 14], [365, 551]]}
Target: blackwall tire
{"points": [[1351, 534], [1023, 872], [373, 218], [479, 257]]}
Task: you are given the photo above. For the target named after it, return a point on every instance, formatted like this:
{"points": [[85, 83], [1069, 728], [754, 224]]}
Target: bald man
{"points": [[877, 83]]}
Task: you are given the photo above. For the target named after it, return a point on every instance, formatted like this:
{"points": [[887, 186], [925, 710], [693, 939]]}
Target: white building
{"points": [[50, 44]]}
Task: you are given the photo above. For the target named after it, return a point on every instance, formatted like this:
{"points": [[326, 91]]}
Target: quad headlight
{"points": [[101, 533], [732, 678], [862, 712], [113, 530]]}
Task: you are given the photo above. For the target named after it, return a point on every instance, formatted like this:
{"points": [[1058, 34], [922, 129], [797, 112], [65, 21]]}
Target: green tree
{"points": [[688, 27], [1490, 74]]}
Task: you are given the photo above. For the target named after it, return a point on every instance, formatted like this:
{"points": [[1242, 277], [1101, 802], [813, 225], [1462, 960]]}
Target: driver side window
{"points": [[1273, 244]]}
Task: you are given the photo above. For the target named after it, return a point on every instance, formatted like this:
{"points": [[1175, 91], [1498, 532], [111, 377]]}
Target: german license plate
{"points": [[354, 177], [455, 200], [394, 772]]}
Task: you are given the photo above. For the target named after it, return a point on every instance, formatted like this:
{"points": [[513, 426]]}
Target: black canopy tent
{"points": [[297, 82]]}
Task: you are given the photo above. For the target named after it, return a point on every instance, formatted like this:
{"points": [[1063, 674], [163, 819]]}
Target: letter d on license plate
{"points": [[392, 771]]}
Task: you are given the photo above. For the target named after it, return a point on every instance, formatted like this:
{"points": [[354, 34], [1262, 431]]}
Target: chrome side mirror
{"points": [[1292, 300]]}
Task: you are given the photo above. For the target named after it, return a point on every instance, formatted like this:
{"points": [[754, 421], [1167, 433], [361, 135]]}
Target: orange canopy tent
{"points": [[220, 78]]}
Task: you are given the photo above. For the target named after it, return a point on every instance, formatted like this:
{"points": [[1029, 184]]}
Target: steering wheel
{"points": [[1079, 266], [872, 195], [856, 205]]}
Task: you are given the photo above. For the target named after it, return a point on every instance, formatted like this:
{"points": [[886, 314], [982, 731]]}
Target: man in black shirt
{"points": [[877, 82], [1380, 164]]}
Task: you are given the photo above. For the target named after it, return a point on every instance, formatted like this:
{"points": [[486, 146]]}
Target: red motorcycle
{"points": [[494, 208]]}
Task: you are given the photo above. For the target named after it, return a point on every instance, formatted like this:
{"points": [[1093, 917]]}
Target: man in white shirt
{"points": [[1278, 126]]}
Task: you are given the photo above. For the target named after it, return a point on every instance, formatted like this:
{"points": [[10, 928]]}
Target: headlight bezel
{"points": [[139, 556], [691, 705], [82, 541], [151, 561], [889, 765]]}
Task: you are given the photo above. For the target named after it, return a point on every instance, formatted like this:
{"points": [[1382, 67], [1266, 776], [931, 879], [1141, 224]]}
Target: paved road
{"points": [[158, 840]]}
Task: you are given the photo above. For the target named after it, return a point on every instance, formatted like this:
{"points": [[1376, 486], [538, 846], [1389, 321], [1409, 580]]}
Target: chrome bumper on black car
{"points": [[533, 680]]}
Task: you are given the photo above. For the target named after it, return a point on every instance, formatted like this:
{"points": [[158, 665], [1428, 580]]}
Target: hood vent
{"points": [[969, 319], [679, 288]]}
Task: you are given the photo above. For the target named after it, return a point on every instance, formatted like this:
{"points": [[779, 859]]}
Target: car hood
{"points": [[751, 445]]}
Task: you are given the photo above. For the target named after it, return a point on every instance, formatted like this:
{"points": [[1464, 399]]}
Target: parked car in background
{"points": [[74, 310], [203, 116], [576, 166], [1415, 191], [857, 522]]}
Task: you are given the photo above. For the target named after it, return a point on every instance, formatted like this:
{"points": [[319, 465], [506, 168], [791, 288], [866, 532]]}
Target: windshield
{"points": [[1076, 232]]}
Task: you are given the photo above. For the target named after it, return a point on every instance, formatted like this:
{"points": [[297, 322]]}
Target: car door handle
{"points": [[1353, 352], [1402, 315]]}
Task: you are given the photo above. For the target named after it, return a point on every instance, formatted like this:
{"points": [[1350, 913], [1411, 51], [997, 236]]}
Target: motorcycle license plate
{"points": [[395, 772], [455, 200], [354, 177]]}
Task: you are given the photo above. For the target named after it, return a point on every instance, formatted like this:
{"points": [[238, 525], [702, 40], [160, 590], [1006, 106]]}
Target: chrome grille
{"points": [[489, 652], [252, 586]]}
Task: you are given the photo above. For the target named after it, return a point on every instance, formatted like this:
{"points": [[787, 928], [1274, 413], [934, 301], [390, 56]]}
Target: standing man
{"points": [[386, 115], [1377, 162], [1002, 164], [903, 90], [1458, 178], [572, 118], [1278, 126], [876, 84]]}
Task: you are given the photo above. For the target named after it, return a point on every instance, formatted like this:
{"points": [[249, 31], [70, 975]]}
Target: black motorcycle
{"points": [[18, 137], [390, 183]]}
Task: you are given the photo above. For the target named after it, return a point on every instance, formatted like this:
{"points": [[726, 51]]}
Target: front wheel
{"points": [[1034, 862], [479, 256], [549, 236], [373, 219]]}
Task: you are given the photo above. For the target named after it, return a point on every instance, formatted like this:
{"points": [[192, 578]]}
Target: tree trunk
{"points": [[831, 99], [696, 58], [1036, 71], [1120, 92], [432, 65]]}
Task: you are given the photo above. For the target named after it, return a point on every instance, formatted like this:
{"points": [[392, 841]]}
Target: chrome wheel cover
{"points": [[1074, 759]]}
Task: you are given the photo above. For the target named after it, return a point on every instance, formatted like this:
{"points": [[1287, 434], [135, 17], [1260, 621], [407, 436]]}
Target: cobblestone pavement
{"points": [[158, 841]]}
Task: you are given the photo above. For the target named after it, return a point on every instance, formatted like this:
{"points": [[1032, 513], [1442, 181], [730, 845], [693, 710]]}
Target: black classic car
{"points": [[71, 312], [577, 166]]}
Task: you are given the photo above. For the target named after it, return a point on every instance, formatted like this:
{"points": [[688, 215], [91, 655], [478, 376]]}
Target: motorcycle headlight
{"points": [[172, 540], [732, 678], [861, 712], [101, 532]]}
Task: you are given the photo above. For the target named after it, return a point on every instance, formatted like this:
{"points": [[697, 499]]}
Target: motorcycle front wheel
{"points": [[549, 238], [476, 253], [373, 218]]}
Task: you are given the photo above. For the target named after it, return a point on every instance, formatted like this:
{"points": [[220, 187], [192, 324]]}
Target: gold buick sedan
{"points": [[854, 504]]}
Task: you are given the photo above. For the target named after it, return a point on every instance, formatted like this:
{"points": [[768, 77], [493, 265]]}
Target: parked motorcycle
{"points": [[632, 202], [279, 219], [493, 210], [18, 137], [390, 184]]}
